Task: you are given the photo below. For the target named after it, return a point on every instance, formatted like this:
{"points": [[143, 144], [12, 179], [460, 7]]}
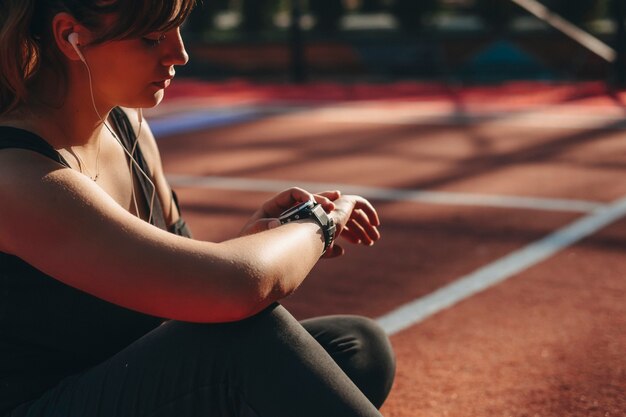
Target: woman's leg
{"points": [[264, 366], [362, 350]]}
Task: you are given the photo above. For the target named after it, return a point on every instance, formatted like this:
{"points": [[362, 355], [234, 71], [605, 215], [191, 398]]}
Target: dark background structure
{"points": [[468, 41]]}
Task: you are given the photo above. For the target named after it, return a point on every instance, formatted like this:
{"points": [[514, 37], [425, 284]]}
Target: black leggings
{"points": [[264, 366]]}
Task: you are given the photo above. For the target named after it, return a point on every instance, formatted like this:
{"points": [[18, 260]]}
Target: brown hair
{"points": [[26, 38]]}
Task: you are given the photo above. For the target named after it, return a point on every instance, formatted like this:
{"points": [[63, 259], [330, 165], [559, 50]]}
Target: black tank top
{"points": [[49, 330]]}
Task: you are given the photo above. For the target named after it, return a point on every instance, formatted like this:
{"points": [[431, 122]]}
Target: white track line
{"points": [[500, 270], [388, 194]]}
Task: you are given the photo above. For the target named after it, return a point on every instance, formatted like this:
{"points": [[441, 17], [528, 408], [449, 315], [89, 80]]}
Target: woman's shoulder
{"points": [[24, 155], [21, 174]]}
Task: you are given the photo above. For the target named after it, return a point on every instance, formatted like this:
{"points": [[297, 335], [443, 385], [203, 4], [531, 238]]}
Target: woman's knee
{"points": [[361, 348], [349, 334], [228, 338], [377, 359]]}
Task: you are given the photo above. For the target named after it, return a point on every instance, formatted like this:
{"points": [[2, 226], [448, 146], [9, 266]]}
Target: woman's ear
{"points": [[63, 25]]}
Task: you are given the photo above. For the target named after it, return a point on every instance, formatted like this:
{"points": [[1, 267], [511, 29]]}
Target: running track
{"points": [[500, 275]]}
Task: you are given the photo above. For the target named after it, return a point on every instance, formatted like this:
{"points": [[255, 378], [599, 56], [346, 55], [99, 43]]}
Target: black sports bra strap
{"points": [[11, 137], [128, 137]]}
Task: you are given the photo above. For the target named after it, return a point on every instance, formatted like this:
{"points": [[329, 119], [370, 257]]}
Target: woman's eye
{"points": [[152, 40]]}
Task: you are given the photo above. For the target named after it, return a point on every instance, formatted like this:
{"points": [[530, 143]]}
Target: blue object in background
{"points": [[502, 60], [203, 119]]}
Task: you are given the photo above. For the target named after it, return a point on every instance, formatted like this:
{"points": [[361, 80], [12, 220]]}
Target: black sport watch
{"points": [[312, 210]]}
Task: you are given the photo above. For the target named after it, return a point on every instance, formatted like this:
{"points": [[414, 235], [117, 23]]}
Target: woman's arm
{"points": [[65, 225]]}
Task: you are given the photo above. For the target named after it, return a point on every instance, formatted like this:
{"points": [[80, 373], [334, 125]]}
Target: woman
{"points": [[107, 306]]}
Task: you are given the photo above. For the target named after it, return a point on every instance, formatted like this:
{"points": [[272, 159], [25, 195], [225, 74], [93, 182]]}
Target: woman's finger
{"points": [[370, 232], [331, 195], [350, 236], [326, 198], [327, 203], [369, 210], [285, 200], [358, 230]]}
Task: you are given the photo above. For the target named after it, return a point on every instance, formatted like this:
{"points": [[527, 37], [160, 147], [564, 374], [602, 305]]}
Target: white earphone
{"points": [[72, 38]]}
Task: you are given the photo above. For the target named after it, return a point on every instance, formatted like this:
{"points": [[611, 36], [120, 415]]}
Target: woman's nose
{"points": [[175, 53]]}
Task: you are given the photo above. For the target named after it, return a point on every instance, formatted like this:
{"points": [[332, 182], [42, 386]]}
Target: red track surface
{"points": [[550, 341]]}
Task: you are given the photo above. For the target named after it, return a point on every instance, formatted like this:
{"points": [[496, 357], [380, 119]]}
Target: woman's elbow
{"points": [[246, 287], [260, 292]]}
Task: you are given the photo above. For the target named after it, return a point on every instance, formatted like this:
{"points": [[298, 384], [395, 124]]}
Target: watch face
{"points": [[310, 209], [290, 212]]}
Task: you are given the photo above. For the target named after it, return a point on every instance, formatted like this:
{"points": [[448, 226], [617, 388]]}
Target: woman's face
{"points": [[135, 72]]}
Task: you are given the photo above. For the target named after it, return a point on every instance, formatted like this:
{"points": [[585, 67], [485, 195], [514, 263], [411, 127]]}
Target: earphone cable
{"points": [[132, 159], [130, 164]]}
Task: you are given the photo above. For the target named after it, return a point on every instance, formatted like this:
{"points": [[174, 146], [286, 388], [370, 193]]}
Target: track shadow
{"points": [[307, 149], [332, 148]]}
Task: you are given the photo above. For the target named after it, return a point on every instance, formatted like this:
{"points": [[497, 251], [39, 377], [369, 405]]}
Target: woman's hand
{"points": [[356, 220], [266, 217]]}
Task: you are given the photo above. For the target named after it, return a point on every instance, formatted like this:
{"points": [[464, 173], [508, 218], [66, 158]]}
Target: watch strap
{"points": [[315, 211], [326, 223]]}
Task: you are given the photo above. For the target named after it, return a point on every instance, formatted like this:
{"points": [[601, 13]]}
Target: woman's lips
{"points": [[163, 83]]}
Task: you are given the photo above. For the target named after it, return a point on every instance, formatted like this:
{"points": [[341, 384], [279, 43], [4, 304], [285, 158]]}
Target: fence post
{"points": [[298, 64], [619, 66]]}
